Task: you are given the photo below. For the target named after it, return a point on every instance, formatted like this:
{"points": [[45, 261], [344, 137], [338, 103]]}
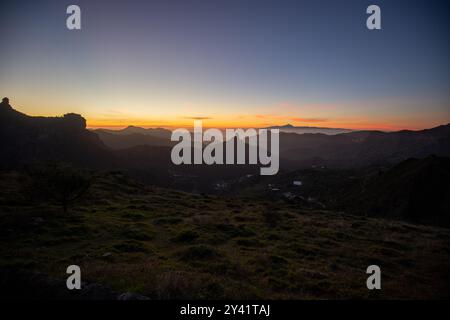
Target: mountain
{"points": [[25, 139], [289, 128], [415, 190], [155, 132], [28, 140], [146, 152], [300, 151], [132, 136], [124, 140], [300, 234], [361, 148]]}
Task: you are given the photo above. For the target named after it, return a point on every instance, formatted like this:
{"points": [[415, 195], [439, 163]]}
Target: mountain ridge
{"points": [[29, 139], [289, 128]]}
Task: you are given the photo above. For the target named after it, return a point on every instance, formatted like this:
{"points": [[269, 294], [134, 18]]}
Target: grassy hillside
{"points": [[168, 244]]}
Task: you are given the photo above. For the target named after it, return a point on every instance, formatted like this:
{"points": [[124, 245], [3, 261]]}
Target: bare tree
{"points": [[60, 183]]}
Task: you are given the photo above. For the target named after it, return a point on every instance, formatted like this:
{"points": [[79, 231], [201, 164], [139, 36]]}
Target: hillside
{"points": [[125, 236], [134, 136], [67, 139], [155, 132], [415, 190], [131, 228], [343, 168], [25, 139], [362, 148], [335, 148], [124, 141]]}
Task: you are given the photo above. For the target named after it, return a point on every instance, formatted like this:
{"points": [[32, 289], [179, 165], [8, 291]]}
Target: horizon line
{"points": [[354, 124]]}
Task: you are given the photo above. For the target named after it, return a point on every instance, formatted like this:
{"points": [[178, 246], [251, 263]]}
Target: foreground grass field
{"points": [[167, 244]]}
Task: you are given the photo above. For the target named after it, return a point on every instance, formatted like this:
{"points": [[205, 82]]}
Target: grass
{"points": [[168, 244]]}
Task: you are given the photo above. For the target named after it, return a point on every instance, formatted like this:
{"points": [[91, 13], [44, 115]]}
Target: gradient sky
{"points": [[233, 63]]}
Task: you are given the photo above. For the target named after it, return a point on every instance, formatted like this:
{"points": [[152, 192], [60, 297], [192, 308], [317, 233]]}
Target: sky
{"points": [[232, 63]]}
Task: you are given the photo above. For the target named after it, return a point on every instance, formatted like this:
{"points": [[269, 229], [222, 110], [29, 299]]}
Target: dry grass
{"points": [[174, 245]]}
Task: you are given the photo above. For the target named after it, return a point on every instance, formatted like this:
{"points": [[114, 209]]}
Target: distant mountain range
{"points": [[404, 187], [288, 128], [134, 136], [156, 132], [26, 139], [362, 148]]}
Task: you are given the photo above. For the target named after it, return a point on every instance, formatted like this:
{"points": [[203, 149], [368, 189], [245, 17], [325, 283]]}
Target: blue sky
{"points": [[237, 62]]}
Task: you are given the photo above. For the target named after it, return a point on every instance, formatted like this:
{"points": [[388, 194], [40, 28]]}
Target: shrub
{"points": [[59, 183]]}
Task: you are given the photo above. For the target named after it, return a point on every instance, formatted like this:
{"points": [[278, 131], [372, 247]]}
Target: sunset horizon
{"points": [[225, 158], [223, 121], [160, 64]]}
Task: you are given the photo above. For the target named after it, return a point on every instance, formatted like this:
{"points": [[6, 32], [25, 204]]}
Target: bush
{"points": [[60, 183]]}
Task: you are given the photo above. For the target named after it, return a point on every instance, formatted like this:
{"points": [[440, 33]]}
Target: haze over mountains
{"points": [[289, 128], [333, 149], [26, 139], [362, 148], [134, 136], [303, 150], [322, 216], [338, 164]]}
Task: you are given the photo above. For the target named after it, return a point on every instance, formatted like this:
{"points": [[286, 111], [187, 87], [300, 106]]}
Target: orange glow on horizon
{"points": [[326, 116], [252, 122]]}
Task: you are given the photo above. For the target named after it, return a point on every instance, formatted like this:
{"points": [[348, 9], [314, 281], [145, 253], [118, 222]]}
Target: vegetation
{"points": [[168, 244], [60, 183]]}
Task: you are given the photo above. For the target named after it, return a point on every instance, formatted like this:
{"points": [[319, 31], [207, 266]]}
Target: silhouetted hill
{"points": [[152, 164], [301, 151], [146, 152], [26, 139], [415, 190], [289, 128], [156, 132], [126, 139], [361, 148]]}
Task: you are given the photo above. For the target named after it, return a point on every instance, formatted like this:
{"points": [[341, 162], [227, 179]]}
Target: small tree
{"points": [[60, 183]]}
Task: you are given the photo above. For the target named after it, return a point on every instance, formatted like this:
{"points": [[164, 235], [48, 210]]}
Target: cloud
{"points": [[198, 118], [309, 119], [293, 106]]}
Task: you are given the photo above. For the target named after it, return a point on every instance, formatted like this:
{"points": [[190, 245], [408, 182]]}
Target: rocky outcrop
{"points": [[25, 139]]}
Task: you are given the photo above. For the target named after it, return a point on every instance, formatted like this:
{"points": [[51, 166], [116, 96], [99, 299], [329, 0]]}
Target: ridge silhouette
{"points": [[145, 153]]}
